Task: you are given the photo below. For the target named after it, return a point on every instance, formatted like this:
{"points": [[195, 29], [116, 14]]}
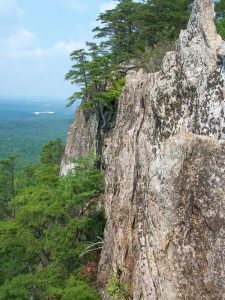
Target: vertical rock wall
{"points": [[90, 130], [165, 174], [81, 138]]}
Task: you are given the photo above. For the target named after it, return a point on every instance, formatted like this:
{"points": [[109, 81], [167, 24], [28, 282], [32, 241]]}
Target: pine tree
{"points": [[51, 153], [162, 20], [125, 32], [79, 74], [119, 29]]}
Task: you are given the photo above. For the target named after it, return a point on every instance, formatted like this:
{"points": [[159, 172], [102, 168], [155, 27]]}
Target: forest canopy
{"points": [[50, 228]]}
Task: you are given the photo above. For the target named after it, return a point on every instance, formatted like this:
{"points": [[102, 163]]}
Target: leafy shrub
{"points": [[55, 219], [117, 289], [79, 290], [151, 59]]}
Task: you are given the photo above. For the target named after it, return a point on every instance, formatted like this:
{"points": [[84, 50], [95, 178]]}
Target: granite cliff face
{"points": [[80, 138], [165, 172], [90, 130]]}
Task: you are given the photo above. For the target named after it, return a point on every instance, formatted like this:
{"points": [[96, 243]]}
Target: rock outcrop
{"points": [[165, 174], [90, 130], [81, 138]]}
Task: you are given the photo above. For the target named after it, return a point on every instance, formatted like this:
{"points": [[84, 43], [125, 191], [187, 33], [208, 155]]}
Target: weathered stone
{"points": [[128, 65], [80, 139], [90, 130], [165, 174]]}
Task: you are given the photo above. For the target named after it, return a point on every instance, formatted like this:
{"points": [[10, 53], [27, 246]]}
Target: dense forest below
{"points": [[23, 133], [51, 226]]}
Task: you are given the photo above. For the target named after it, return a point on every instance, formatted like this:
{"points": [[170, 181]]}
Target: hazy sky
{"points": [[36, 38]]}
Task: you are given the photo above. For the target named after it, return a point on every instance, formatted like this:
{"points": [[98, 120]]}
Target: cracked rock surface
{"points": [[165, 174]]}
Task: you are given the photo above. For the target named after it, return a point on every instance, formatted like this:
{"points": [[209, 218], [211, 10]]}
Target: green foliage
{"points": [[117, 289], [125, 32], [221, 27], [130, 30], [25, 137], [52, 152], [55, 219], [19, 288], [220, 11], [120, 29], [79, 290], [7, 184], [107, 97], [162, 20], [151, 59], [94, 72], [140, 30], [132, 26]]}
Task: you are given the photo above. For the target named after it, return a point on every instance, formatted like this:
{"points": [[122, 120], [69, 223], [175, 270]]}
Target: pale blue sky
{"points": [[36, 38]]}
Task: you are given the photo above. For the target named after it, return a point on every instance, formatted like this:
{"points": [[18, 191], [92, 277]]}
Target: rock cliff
{"points": [[90, 130], [80, 138], [165, 172]]}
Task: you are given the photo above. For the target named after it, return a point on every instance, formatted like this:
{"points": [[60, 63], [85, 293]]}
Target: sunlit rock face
{"points": [[165, 174], [90, 131], [81, 138]]}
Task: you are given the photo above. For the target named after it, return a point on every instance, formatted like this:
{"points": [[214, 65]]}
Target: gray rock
{"points": [[90, 130], [165, 174], [128, 65], [80, 139]]}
